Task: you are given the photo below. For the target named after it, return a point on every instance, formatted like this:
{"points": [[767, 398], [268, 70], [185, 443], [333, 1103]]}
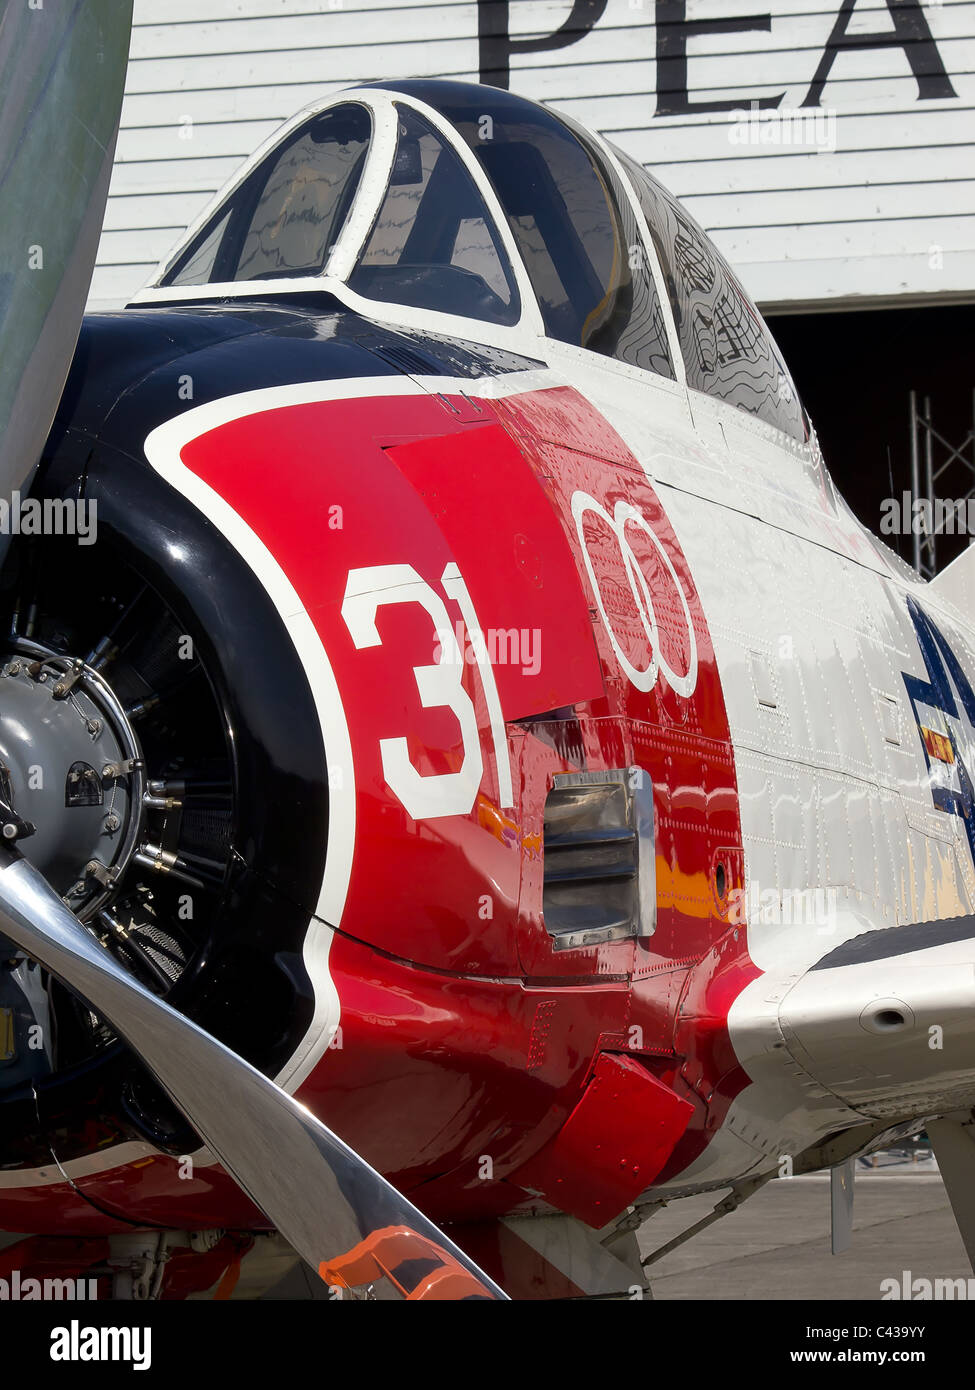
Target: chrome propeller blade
{"points": [[345, 1219], [62, 74]]}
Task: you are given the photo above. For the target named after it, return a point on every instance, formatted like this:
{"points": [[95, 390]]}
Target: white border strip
{"points": [[163, 449]]}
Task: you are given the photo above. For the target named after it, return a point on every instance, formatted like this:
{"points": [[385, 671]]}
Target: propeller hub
{"points": [[73, 770]]}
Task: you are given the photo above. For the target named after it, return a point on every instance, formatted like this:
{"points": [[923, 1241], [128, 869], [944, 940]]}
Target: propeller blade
{"points": [[62, 74], [345, 1219]]}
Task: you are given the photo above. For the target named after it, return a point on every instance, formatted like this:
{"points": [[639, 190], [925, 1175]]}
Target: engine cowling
{"points": [[161, 745]]}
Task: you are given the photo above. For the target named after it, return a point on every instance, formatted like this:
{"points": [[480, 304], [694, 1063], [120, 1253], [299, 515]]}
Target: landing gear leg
{"points": [[953, 1141]]}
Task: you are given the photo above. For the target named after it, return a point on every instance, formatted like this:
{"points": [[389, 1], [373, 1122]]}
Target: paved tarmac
{"points": [[776, 1246]]}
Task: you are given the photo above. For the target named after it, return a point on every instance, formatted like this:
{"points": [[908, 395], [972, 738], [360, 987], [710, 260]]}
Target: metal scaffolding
{"points": [[960, 487]]}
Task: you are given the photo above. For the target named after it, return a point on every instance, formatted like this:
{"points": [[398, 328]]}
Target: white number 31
{"points": [[440, 685]]}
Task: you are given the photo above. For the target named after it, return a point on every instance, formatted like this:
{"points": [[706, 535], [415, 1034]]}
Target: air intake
{"points": [[600, 871]]}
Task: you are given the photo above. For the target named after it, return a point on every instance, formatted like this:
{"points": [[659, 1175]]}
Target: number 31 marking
{"points": [[440, 686]]}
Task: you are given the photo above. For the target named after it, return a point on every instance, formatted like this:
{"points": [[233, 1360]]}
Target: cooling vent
{"points": [[600, 871], [408, 359]]}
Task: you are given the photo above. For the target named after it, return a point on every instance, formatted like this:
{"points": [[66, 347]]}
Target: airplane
{"points": [[468, 779]]}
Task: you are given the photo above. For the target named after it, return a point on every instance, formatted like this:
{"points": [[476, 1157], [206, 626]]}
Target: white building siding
{"points": [[886, 212]]}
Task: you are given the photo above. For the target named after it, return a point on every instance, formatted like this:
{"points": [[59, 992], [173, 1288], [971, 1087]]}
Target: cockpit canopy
{"points": [[287, 215], [468, 201]]}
